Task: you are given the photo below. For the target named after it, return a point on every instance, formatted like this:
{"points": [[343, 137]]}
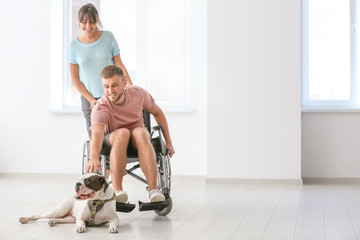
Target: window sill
{"points": [[166, 109], [64, 110], [330, 109]]}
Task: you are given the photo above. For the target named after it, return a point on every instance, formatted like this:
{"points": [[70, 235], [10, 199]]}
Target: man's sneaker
{"points": [[121, 196], [156, 196]]}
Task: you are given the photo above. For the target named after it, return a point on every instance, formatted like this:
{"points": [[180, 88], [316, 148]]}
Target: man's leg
{"points": [[140, 138], [119, 140]]}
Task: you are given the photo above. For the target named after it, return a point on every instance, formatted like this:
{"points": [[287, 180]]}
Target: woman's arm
{"points": [[118, 62], [74, 73]]}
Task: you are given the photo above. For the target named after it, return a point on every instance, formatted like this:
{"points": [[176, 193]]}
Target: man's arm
{"points": [[160, 118], [97, 137]]}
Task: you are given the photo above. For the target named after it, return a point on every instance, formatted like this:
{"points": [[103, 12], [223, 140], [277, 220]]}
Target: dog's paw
{"points": [[113, 229], [81, 229], [51, 223], [24, 220]]}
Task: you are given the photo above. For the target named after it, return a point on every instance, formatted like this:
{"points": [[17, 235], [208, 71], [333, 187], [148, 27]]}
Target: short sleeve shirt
{"points": [[92, 58], [128, 115]]}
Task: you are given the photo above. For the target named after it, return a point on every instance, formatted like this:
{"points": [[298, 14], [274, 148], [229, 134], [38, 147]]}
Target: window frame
{"points": [[354, 91], [185, 105]]}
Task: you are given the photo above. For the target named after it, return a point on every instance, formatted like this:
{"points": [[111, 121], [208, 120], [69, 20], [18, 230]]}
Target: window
{"points": [[154, 41], [330, 53]]}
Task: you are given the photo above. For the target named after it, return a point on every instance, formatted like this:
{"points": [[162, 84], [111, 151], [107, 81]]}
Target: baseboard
{"points": [[199, 178], [331, 180], [17, 175], [255, 181], [39, 175], [189, 178]]}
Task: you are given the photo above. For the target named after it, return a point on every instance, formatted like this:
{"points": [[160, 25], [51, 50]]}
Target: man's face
{"points": [[113, 88]]}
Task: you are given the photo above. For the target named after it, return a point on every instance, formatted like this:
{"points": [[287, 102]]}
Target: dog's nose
{"points": [[77, 186]]}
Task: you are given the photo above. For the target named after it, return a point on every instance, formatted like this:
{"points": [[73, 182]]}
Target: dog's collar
{"points": [[95, 206]]}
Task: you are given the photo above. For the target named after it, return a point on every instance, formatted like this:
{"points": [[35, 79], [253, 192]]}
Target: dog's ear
{"points": [[104, 183]]}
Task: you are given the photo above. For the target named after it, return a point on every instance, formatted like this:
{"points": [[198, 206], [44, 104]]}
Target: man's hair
{"points": [[110, 71]]}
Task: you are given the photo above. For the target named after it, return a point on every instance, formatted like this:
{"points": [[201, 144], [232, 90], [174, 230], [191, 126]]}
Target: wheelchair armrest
{"points": [[157, 128], [161, 138]]}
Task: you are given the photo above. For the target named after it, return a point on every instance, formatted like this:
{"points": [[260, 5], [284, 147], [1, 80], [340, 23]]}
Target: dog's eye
{"points": [[86, 181]]}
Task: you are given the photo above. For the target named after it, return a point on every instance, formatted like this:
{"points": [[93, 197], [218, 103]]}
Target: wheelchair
{"points": [[162, 163]]}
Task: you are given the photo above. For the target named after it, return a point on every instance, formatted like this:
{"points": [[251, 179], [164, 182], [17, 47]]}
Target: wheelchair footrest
{"points": [[124, 207], [154, 205]]}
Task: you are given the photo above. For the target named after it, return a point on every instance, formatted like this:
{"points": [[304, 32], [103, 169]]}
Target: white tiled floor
{"points": [[201, 211]]}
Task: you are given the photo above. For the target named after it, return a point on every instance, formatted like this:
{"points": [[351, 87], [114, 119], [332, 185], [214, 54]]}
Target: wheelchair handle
{"points": [[167, 152]]}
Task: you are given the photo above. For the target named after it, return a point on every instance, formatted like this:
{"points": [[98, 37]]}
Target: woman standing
{"points": [[89, 53]]}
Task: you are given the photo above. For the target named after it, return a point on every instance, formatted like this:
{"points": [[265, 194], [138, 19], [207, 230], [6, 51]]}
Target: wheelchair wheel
{"points": [[166, 210], [164, 181]]}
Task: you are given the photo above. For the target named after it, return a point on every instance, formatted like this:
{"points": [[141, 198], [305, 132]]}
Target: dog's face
{"points": [[89, 185]]}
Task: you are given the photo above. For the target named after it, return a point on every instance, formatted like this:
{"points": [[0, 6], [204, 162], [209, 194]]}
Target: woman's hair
{"points": [[89, 10], [110, 71]]}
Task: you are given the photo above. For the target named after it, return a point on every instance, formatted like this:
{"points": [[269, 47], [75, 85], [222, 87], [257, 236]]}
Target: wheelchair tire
{"points": [[165, 211]]}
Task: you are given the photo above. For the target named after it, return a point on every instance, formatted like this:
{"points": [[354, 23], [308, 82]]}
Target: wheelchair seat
{"points": [[162, 160]]}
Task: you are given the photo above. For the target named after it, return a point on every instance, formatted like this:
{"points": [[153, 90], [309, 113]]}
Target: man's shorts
{"points": [[106, 147]]}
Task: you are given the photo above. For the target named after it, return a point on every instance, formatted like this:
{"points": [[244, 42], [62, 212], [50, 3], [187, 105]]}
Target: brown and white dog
{"points": [[90, 188]]}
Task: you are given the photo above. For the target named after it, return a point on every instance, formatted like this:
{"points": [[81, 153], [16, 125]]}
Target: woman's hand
{"points": [[93, 102]]}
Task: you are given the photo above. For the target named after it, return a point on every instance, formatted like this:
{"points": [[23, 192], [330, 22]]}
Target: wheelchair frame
{"points": [[162, 165]]}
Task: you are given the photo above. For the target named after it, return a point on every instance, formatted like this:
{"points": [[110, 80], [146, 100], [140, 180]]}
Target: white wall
{"points": [[31, 139], [34, 140], [254, 89], [330, 145]]}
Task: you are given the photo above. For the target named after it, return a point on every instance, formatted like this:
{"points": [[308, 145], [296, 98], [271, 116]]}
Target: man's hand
{"points": [[93, 166], [97, 137], [171, 149]]}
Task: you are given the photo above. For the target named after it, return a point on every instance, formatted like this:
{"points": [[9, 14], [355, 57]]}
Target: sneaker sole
{"points": [[158, 199], [121, 199]]}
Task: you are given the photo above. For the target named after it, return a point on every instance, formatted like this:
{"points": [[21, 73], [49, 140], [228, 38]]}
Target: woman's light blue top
{"points": [[92, 58]]}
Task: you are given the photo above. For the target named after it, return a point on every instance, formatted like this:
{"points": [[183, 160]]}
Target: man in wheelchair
{"points": [[117, 120]]}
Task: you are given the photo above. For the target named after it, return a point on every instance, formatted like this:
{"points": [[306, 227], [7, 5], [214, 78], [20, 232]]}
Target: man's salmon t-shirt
{"points": [[128, 115]]}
